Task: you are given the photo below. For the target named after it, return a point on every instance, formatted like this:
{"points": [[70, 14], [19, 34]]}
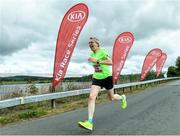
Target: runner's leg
{"points": [[113, 96], [92, 99]]}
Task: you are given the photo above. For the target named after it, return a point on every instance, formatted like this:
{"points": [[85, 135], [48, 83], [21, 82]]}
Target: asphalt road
{"points": [[155, 111]]}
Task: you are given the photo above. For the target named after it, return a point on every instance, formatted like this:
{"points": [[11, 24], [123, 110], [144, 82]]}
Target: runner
{"points": [[102, 77]]}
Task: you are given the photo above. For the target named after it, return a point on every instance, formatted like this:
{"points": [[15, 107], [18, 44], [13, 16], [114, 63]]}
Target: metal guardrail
{"points": [[37, 98]]}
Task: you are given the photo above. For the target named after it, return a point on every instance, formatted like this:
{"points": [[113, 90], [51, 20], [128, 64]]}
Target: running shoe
{"points": [[123, 102], [86, 124]]}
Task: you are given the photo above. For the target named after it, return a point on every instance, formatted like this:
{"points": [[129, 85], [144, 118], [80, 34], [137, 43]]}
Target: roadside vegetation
{"points": [[174, 71]]}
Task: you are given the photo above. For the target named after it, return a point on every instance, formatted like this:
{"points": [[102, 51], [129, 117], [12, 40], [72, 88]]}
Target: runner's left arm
{"points": [[107, 61], [106, 58]]}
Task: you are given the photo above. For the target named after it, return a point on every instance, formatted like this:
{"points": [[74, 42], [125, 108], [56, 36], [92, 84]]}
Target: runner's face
{"points": [[93, 45]]}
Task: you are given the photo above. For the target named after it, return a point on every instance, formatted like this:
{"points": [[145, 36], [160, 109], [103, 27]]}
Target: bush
{"points": [[171, 71], [33, 89], [32, 114], [6, 120], [151, 75]]}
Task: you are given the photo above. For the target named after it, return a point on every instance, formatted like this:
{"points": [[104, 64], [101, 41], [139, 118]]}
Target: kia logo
{"points": [[157, 54], [76, 16], [125, 39]]}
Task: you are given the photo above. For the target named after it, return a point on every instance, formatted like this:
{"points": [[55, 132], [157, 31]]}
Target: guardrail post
{"points": [[115, 91], [131, 89], [141, 86], [53, 103]]}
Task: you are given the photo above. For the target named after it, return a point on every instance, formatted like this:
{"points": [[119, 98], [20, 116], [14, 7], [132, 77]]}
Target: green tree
{"points": [[151, 75], [178, 66], [161, 75], [171, 71]]}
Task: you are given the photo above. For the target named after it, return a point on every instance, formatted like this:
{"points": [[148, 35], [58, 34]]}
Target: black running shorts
{"points": [[106, 83]]}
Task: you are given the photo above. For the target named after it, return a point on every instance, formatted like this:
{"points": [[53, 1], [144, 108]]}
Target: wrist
{"points": [[98, 61]]}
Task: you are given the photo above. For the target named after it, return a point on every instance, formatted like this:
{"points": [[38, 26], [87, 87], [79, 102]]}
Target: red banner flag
{"points": [[70, 28], [160, 64], [151, 59], [122, 45]]}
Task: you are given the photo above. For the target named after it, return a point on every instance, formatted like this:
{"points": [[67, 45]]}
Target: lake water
{"points": [[6, 91]]}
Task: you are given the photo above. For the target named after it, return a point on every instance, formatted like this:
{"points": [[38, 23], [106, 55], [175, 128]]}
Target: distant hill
{"points": [[24, 78], [87, 78]]}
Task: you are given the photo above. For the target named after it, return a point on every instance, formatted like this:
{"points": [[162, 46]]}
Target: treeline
{"points": [[25, 79], [174, 71], [122, 78], [152, 75], [88, 78]]}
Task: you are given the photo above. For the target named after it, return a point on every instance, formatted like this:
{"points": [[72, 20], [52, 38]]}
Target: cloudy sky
{"points": [[29, 28]]}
